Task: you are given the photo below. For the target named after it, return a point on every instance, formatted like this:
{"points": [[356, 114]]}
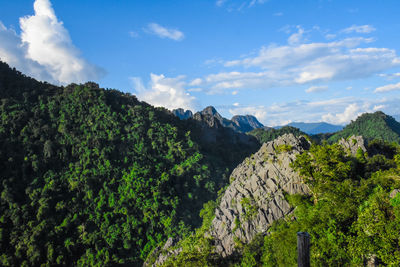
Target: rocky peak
{"points": [[182, 114], [255, 197], [353, 143], [210, 110], [246, 123], [210, 116]]}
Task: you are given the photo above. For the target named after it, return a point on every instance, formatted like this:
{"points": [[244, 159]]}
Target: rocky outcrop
{"points": [[255, 197], [246, 123], [238, 123], [182, 114], [353, 143], [160, 255]]}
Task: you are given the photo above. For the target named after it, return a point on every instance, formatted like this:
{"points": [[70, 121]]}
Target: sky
{"points": [[279, 60]]}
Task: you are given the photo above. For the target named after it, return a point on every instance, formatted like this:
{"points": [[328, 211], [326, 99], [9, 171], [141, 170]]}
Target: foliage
{"points": [[349, 214], [94, 177], [265, 135], [371, 126]]}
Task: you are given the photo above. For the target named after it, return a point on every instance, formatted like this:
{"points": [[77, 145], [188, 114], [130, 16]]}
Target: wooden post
{"points": [[303, 249]]}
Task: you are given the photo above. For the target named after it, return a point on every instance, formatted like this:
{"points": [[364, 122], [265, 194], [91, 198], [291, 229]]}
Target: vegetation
{"points": [[352, 213], [265, 135], [376, 125], [93, 177]]}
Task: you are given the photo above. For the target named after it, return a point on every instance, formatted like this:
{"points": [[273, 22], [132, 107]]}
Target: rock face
{"points": [[255, 197], [161, 255], [240, 123], [246, 123], [182, 114], [353, 143]]}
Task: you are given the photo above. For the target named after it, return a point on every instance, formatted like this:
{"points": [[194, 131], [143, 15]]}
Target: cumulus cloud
{"points": [[257, 111], [164, 32], [297, 37], [351, 112], [44, 50], [359, 29], [314, 89], [165, 92], [300, 63], [388, 88], [336, 111]]}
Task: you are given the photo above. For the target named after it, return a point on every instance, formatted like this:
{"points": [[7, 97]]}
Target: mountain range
{"points": [[238, 123], [314, 127], [95, 177]]}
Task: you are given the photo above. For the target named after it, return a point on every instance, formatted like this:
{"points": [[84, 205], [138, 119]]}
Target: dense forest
{"points": [[264, 135], [352, 214], [376, 125], [93, 177]]}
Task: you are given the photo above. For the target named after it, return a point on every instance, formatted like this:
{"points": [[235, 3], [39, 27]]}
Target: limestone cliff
{"points": [[255, 197]]}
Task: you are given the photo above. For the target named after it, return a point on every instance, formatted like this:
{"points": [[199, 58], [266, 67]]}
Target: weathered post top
{"points": [[303, 249]]}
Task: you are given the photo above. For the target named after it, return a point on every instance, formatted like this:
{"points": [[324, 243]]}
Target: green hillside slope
{"points": [[95, 177], [376, 125], [265, 135]]}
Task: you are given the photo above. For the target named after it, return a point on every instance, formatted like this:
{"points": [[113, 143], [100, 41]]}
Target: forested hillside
{"points": [[265, 135], [95, 177], [376, 125], [351, 210]]}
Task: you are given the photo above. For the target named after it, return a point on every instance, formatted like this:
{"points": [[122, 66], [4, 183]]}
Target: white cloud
{"points": [[302, 63], [330, 36], [335, 111], [259, 112], [390, 76], [239, 5], [388, 88], [297, 37], [196, 82], [45, 50], [236, 104], [165, 92], [253, 2], [349, 87], [314, 89], [351, 112], [164, 32], [359, 29], [278, 14]]}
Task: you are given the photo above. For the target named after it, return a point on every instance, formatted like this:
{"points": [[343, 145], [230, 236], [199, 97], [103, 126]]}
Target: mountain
{"points": [[265, 135], [238, 123], [182, 114], [315, 127], [246, 123], [90, 176], [376, 125], [334, 192], [396, 117]]}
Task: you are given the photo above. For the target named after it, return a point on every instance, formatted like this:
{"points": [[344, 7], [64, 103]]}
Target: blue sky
{"points": [[282, 61]]}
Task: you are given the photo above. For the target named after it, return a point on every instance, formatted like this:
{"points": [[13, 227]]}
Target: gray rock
{"points": [[353, 143], [255, 197], [182, 114]]}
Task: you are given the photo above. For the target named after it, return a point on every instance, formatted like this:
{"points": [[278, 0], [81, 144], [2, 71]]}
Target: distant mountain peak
{"points": [[210, 110], [182, 114], [375, 125], [209, 115], [315, 127]]}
